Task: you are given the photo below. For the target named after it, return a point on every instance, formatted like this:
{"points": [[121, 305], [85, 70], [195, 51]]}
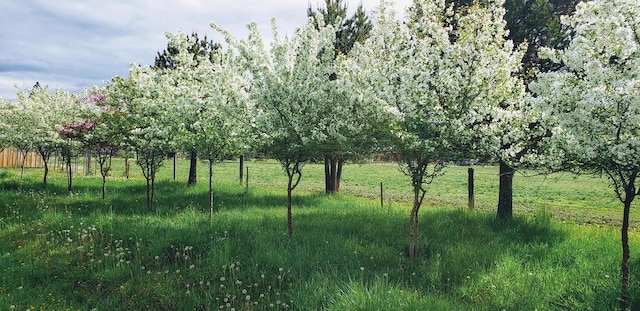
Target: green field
{"points": [[77, 252]]}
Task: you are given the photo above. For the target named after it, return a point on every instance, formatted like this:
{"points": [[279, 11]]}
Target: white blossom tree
{"points": [[294, 87], [40, 115], [211, 94], [592, 105], [148, 124], [447, 79]]}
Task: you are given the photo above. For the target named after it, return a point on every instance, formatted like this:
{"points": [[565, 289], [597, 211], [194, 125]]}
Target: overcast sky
{"points": [[73, 44]]}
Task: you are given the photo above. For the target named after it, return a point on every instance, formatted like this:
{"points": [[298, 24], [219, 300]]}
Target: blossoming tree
{"points": [[147, 124], [447, 78], [211, 94], [39, 117], [96, 131], [294, 87], [592, 104]]}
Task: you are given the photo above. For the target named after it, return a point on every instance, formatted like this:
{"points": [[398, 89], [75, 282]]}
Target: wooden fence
{"points": [[11, 157]]}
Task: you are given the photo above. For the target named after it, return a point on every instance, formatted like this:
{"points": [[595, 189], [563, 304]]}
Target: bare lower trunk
{"points": [[624, 288], [328, 181], [127, 167], [69, 175], [210, 188], [104, 186], [153, 189], [332, 174], [24, 158], [289, 214], [46, 172], [414, 243], [193, 165], [148, 194], [505, 195], [339, 174]]}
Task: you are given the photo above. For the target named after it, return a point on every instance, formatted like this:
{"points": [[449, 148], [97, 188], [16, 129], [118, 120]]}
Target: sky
{"points": [[76, 44]]}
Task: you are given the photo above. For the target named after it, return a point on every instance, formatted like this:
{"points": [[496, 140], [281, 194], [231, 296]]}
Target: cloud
{"points": [[74, 44]]}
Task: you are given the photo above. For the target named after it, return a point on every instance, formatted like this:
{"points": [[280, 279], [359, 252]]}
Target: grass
{"points": [[77, 252]]}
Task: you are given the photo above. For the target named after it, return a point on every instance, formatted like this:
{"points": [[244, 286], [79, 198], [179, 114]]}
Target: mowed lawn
{"points": [[61, 251]]}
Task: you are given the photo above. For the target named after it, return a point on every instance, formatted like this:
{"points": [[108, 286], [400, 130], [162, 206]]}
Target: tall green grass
{"points": [[77, 252]]}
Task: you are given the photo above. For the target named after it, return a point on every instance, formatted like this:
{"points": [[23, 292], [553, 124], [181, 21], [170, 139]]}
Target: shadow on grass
{"points": [[338, 238]]}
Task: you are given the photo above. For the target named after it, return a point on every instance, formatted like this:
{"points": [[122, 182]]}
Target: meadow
{"points": [[61, 251]]}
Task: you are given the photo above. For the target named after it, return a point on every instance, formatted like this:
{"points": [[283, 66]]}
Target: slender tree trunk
{"points": [[630, 193], [292, 167], [101, 162], [414, 247], [175, 157], [153, 189], [24, 159], [69, 174], [149, 194], [127, 167], [44, 155], [339, 174], [624, 288], [193, 165], [289, 214], [327, 176], [104, 187], [505, 195], [46, 172], [210, 189]]}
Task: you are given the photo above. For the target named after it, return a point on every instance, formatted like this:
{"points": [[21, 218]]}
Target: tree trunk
{"points": [[149, 194], [104, 186], [24, 159], [175, 157], [339, 174], [630, 193], [193, 165], [210, 189], [46, 171], [289, 214], [69, 174], [414, 247], [332, 172], [327, 176], [127, 167], [505, 195], [153, 188]]}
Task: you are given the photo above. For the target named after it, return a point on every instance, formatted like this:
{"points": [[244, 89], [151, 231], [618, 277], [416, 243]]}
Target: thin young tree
{"points": [[446, 77], [290, 89], [592, 105], [210, 94], [199, 50]]}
